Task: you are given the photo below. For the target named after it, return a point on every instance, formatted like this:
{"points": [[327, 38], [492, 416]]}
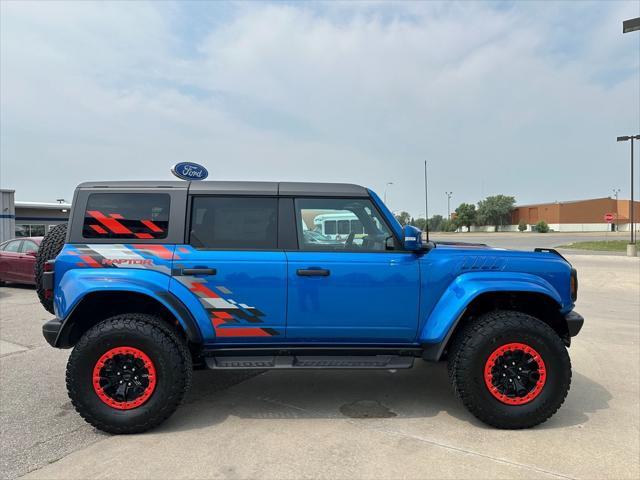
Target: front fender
{"points": [[76, 284], [466, 287]]}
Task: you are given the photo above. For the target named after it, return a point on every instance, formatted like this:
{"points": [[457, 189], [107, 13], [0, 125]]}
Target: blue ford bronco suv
{"points": [[153, 279]]}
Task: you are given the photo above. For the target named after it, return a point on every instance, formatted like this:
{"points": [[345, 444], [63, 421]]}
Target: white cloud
{"points": [[513, 100]]}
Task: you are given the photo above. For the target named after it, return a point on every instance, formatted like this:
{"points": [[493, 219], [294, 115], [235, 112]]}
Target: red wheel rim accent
{"points": [[151, 375], [491, 364]]}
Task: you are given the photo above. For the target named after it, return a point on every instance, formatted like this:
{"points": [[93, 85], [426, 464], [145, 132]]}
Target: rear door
{"points": [[233, 267]]}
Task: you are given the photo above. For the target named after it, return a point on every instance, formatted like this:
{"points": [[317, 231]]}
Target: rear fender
{"points": [[77, 284], [466, 287]]}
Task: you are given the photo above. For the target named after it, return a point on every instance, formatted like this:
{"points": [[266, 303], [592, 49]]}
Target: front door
{"points": [[349, 281], [234, 269]]}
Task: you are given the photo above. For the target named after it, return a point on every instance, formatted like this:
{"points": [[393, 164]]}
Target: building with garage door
{"points": [[579, 215]]}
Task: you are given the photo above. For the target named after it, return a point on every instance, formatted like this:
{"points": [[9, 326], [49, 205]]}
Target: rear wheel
{"points": [[128, 373], [49, 249], [511, 370]]}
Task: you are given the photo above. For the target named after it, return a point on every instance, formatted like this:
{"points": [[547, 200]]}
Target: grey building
{"points": [[29, 219], [7, 215]]}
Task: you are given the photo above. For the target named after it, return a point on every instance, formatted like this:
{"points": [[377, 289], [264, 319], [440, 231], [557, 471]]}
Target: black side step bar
{"points": [[310, 361]]}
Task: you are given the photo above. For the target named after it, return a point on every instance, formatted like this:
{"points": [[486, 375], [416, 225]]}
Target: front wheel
{"points": [[128, 373], [511, 370]]}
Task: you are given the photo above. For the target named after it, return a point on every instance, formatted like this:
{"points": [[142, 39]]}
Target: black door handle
{"points": [[199, 271], [313, 272]]}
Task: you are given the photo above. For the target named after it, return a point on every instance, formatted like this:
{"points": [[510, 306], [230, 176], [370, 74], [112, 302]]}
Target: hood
{"points": [[480, 246]]}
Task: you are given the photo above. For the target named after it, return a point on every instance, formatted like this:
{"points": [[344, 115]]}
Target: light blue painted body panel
{"points": [[245, 282], [196, 309], [467, 287], [75, 284], [84, 269], [452, 276], [257, 296], [368, 297]]}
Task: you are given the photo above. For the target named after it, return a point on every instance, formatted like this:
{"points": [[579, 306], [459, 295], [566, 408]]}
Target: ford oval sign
{"points": [[189, 171]]}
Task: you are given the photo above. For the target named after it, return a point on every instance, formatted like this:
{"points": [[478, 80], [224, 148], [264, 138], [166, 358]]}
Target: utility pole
{"points": [[616, 191], [448, 194]]}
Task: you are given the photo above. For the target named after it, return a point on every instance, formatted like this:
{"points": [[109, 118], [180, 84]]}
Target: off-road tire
{"points": [[49, 249], [147, 333], [472, 347]]}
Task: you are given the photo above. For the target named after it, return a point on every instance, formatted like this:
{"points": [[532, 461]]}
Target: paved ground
{"points": [[529, 241], [332, 424]]}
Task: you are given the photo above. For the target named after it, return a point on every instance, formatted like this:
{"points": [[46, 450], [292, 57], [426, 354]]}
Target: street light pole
{"points": [[632, 250], [448, 194], [631, 25]]}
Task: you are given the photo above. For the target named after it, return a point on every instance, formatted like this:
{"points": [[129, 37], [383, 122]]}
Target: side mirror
{"points": [[389, 243], [412, 238]]}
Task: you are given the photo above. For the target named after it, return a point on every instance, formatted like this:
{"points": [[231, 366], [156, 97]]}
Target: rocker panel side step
{"points": [[309, 361]]}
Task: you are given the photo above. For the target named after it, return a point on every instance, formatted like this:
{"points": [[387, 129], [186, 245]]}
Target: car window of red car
{"points": [[13, 246], [28, 246]]}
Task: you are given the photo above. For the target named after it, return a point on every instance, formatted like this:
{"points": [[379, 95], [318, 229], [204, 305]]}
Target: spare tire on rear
{"points": [[49, 249]]}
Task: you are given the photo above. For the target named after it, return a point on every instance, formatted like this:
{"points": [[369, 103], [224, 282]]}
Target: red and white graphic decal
{"points": [[228, 317]]}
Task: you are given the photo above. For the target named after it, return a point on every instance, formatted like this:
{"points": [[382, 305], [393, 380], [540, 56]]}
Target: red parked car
{"points": [[18, 259]]}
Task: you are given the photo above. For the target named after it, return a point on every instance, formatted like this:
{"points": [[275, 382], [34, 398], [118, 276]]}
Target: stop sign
{"points": [[609, 217]]}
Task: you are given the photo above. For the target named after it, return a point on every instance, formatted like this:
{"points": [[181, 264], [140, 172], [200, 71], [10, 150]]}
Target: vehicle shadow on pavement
{"points": [[585, 397], [421, 392]]}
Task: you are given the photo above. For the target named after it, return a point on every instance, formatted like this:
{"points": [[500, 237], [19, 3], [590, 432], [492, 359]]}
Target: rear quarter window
{"points": [[127, 215]]}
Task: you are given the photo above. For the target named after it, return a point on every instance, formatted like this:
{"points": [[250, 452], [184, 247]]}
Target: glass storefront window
{"points": [[30, 230]]}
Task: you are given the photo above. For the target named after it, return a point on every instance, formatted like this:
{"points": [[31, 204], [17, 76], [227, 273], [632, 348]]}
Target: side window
{"points": [[340, 224], [13, 246], [242, 223], [28, 247], [126, 215]]}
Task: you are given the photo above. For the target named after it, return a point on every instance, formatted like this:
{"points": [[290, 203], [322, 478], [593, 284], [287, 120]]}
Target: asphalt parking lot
{"points": [[336, 424]]}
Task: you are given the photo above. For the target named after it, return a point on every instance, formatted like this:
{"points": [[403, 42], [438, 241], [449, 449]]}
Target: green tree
{"points": [[420, 223], [403, 218], [495, 210], [522, 226], [466, 215], [435, 223], [448, 225]]}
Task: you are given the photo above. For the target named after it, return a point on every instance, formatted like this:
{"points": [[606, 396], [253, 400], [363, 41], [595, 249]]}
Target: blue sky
{"points": [[520, 98]]}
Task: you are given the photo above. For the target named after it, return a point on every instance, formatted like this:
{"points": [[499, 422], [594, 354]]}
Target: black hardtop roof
{"points": [[241, 188]]}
